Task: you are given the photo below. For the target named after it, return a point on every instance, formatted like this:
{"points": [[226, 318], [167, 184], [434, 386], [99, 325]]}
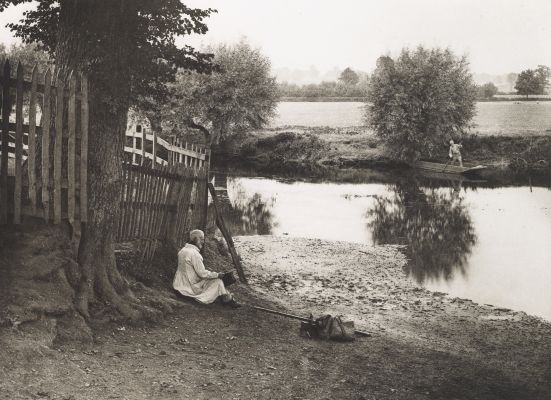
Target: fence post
{"points": [[32, 140], [6, 110], [134, 145], [18, 144], [143, 146], [154, 162]]}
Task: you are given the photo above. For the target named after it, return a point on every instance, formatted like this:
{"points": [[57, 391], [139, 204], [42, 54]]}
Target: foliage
{"points": [[340, 88], [239, 96], [27, 54], [349, 77], [533, 81], [420, 100], [128, 51], [154, 57], [486, 91]]}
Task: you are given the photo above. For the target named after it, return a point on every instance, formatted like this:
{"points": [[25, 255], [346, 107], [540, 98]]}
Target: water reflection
{"points": [[434, 224], [246, 214]]}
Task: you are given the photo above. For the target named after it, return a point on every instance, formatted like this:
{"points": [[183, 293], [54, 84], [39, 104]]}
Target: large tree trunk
{"points": [[96, 36]]}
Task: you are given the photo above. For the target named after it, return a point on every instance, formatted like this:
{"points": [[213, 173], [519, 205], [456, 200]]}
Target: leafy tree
{"points": [[543, 73], [239, 96], [349, 77], [28, 54], [127, 49], [487, 91], [532, 81], [421, 99]]}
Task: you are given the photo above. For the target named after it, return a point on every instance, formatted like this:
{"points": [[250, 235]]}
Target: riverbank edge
{"points": [[316, 149], [212, 352], [368, 284]]}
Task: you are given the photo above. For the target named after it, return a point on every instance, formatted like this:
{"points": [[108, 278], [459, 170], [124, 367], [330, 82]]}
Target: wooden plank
{"points": [[125, 197], [154, 182], [198, 205], [183, 207], [6, 110], [173, 200], [32, 139], [134, 144], [130, 185], [18, 145], [71, 148], [122, 204], [58, 146], [168, 220], [136, 197], [127, 187], [163, 202], [162, 210], [155, 210], [227, 235], [150, 188], [157, 202], [143, 211], [145, 197], [84, 115], [205, 210], [143, 146], [46, 118], [154, 158], [133, 199]]}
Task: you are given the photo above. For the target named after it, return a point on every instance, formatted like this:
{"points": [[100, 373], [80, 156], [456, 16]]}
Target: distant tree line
{"points": [[533, 81], [349, 84], [528, 82]]}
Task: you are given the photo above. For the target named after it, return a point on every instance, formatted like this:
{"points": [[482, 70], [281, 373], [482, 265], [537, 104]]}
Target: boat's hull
{"points": [[448, 168]]}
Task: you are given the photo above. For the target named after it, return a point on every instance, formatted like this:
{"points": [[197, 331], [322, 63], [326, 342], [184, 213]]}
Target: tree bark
{"points": [[95, 36]]}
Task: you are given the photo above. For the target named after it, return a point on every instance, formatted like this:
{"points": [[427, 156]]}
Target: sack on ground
{"points": [[328, 328]]}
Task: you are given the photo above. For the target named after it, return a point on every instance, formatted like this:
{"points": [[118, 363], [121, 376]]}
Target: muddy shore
{"points": [[368, 284], [423, 345]]}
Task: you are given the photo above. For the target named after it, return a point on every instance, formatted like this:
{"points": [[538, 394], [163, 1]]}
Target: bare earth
{"points": [[423, 346]]}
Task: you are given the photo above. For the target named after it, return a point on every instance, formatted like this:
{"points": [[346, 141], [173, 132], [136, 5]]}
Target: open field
{"points": [[508, 118]]}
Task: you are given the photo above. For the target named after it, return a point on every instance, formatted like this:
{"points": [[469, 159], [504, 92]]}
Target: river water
{"points": [[492, 118], [490, 245]]}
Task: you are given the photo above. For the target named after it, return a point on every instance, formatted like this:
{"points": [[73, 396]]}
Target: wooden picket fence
{"points": [[142, 146], [43, 167], [43, 164], [161, 204]]}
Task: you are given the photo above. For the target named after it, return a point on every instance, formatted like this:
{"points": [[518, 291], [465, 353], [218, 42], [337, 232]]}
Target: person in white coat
{"points": [[193, 280]]}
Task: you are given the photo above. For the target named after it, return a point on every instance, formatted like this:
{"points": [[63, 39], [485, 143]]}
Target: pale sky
{"points": [[498, 36]]}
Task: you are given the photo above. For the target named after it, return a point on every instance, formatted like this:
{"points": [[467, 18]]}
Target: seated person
{"points": [[193, 280]]}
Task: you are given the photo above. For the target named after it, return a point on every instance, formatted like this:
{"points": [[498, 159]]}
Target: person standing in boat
{"points": [[455, 152]]}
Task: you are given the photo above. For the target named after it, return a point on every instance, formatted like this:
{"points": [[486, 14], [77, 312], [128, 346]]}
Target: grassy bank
{"points": [[290, 148]]}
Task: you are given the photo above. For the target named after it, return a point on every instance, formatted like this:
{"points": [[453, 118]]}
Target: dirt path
{"points": [[423, 345]]}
